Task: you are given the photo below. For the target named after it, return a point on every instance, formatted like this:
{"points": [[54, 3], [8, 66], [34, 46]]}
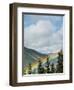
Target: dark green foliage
{"points": [[47, 65], [40, 68], [60, 63], [30, 56], [29, 69], [54, 65], [52, 68], [34, 71], [24, 71]]}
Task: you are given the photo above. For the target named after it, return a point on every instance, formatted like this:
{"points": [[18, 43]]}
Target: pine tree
{"points": [[52, 68], [40, 68], [29, 69], [34, 71], [47, 65], [60, 62], [24, 71]]}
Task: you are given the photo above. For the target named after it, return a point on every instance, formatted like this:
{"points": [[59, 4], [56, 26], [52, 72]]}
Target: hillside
{"points": [[32, 59], [30, 56]]}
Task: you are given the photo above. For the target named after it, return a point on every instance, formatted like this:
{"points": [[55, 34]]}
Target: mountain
{"points": [[30, 56]]}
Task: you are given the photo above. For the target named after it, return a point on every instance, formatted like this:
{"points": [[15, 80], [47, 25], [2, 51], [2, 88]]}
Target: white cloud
{"points": [[42, 37]]}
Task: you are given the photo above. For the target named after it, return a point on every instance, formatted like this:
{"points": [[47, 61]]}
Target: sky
{"points": [[44, 33]]}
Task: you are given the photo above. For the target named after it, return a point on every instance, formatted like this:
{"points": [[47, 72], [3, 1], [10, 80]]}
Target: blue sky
{"points": [[33, 19], [43, 33]]}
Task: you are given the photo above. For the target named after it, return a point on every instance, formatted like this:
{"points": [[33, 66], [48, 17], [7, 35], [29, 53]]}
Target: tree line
{"points": [[48, 68]]}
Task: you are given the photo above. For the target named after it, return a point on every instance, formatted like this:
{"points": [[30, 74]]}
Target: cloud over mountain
{"points": [[42, 37]]}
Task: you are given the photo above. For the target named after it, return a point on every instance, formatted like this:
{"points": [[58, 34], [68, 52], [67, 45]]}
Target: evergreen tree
{"points": [[40, 68], [29, 69], [34, 71], [52, 68], [47, 65], [60, 62], [24, 71]]}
